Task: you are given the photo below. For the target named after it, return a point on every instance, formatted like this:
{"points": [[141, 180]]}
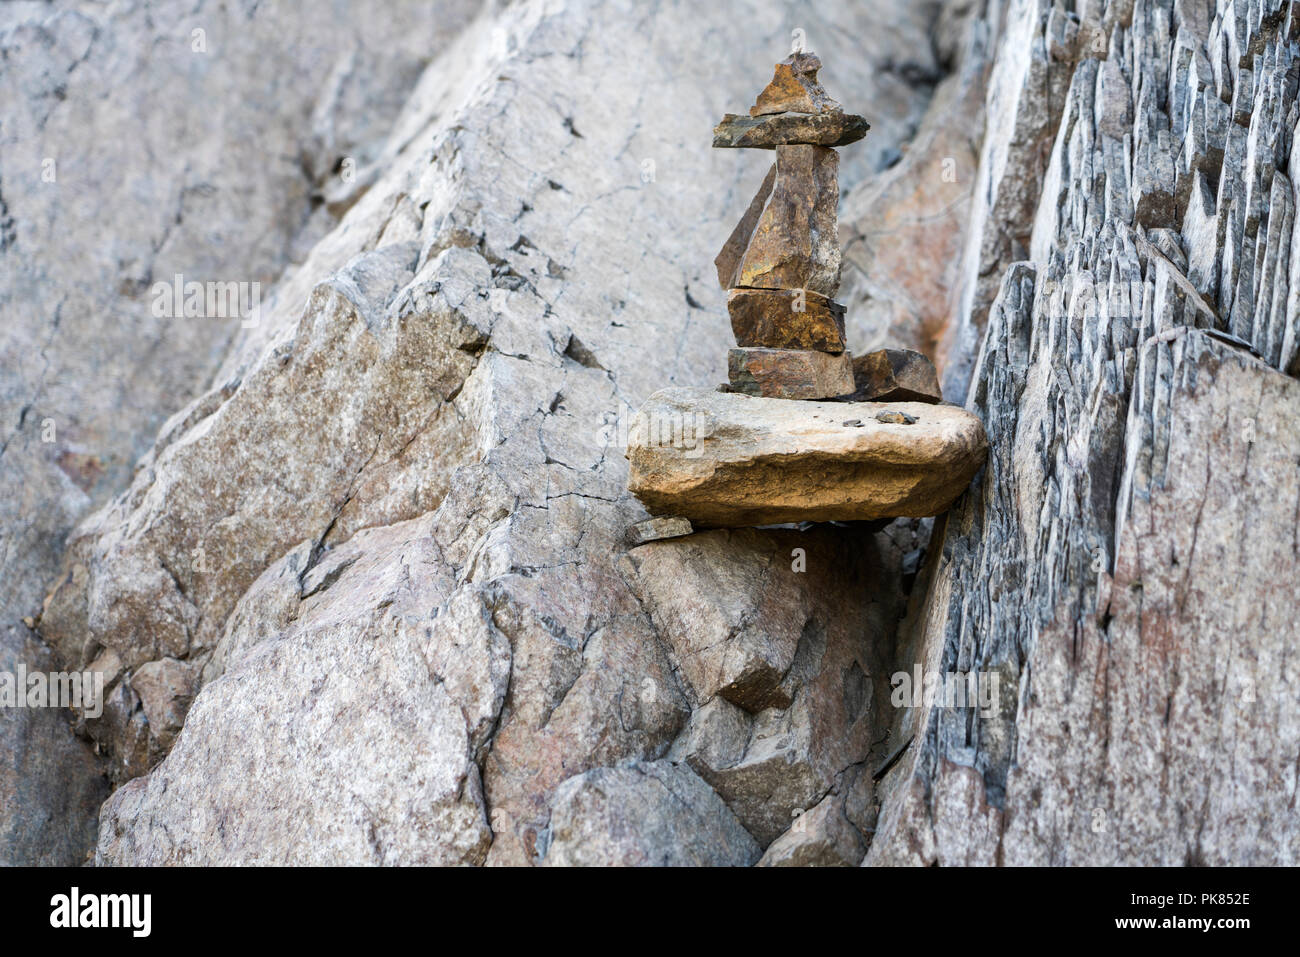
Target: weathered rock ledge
{"points": [[723, 459]]}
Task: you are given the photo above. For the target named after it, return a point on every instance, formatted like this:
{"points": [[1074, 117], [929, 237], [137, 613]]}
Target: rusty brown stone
{"points": [[728, 258], [789, 373], [795, 243], [895, 375], [786, 129], [794, 88], [786, 319]]}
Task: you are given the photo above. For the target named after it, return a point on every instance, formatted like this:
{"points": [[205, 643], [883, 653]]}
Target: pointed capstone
{"points": [[794, 88]]}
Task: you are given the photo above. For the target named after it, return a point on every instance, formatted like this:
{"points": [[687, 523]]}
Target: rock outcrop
{"points": [[780, 655], [656, 814], [1120, 563], [376, 592], [140, 143], [433, 391], [51, 784]]}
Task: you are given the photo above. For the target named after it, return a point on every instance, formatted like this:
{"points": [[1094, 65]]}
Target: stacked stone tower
{"points": [[781, 264]]}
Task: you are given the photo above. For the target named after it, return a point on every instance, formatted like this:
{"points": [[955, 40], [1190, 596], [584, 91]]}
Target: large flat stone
{"points": [[786, 129], [741, 460]]}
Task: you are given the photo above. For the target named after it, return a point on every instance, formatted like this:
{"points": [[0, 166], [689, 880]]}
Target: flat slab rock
{"points": [[722, 459], [657, 528], [782, 129]]}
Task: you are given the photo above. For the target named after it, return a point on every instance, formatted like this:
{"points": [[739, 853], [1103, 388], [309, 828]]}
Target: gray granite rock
{"points": [[780, 609], [429, 416], [143, 142], [51, 784], [653, 814], [451, 346], [820, 837]]}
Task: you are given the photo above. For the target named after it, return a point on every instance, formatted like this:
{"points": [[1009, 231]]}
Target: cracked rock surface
{"points": [[359, 600], [138, 142], [358, 575]]}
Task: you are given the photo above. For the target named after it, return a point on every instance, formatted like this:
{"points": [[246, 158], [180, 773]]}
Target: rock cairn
{"points": [[781, 264], [869, 440]]}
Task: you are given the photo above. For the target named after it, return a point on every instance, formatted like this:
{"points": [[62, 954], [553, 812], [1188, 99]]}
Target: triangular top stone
{"points": [[794, 89]]}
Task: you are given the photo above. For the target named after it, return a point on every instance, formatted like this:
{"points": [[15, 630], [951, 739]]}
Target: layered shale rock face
{"points": [[370, 594], [1124, 563]]}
